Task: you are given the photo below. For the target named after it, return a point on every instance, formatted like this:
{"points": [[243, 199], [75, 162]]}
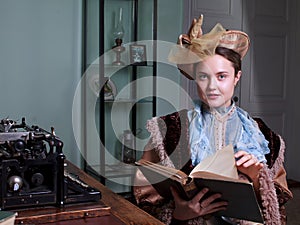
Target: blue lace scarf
{"points": [[211, 130]]}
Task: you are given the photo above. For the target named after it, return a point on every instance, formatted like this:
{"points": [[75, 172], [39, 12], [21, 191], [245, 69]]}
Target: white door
{"points": [[268, 85]]}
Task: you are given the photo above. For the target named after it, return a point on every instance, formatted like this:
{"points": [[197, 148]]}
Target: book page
{"points": [[165, 172], [7, 217], [221, 163]]}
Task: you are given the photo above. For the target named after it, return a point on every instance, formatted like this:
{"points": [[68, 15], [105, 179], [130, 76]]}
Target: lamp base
{"points": [[118, 49]]}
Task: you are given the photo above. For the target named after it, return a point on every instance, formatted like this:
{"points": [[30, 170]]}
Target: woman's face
{"points": [[216, 80]]}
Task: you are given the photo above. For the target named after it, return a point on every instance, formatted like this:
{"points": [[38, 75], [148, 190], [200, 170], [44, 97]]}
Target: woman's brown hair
{"points": [[232, 56]]}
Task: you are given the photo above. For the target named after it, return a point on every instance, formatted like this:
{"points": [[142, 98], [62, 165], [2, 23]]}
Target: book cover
{"points": [[218, 173]]}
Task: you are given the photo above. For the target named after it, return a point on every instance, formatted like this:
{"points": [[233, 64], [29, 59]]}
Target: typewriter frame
{"points": [[32, 169]]}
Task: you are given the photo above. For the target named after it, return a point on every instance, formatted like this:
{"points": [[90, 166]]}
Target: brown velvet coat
{"points": [[170, 132]]}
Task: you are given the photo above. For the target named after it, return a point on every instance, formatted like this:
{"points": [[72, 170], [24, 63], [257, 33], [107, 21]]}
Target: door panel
{"points": [[264, 83]]}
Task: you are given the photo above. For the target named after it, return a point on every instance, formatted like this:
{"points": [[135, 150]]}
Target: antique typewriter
{"points": [[32, 169]]}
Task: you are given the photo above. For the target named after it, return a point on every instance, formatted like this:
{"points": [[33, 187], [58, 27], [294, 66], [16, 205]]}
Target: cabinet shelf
{"points": [[130, 112], [133, 101], [111, 70], [115, 170], [113, 67]]}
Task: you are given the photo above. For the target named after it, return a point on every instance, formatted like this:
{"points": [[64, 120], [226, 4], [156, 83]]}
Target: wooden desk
{"points": [[112, 209]]}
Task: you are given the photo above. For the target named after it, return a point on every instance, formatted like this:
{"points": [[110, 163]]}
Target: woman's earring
{"points": [[235, 98]]}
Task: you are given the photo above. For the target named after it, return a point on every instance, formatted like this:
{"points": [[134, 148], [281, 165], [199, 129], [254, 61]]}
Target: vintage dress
{"points": [[172, 144]]}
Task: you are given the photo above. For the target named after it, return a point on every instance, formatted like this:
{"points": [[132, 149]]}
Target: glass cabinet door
{"points": [[118, 97]]}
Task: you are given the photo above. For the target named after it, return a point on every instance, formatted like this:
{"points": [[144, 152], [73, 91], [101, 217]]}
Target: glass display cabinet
{"points": [[118, 97]]}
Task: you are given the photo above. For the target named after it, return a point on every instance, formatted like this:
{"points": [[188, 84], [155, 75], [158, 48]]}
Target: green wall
{"points": [[40, 60], [40, 64]]}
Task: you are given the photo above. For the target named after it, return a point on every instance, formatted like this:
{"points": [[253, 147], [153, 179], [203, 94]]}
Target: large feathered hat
{"points": [[196, 46]]}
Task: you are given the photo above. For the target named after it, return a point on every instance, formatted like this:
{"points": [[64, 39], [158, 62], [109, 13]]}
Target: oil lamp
{"points": [[118, 36]]}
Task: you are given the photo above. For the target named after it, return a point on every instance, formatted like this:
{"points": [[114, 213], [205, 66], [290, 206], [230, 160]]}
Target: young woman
{"points": [[185, 138]]}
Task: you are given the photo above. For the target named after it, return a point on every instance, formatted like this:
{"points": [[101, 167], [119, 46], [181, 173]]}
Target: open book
{"points": [[7, 217], [218, 173]]}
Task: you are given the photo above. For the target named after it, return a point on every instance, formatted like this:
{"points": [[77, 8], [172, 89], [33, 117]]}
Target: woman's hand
{"points": [[248, 165], [198, 206]]}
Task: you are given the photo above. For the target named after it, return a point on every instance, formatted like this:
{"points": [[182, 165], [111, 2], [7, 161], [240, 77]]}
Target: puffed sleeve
{"points": [[144, 192]]}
